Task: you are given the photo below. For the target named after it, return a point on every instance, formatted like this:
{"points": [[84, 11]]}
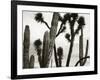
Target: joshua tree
{"points": [[70, 37], [60, 54], [37, 45], [26, 45]]}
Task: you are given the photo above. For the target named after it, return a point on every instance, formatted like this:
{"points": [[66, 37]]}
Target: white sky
{"points": [[37, 31]]}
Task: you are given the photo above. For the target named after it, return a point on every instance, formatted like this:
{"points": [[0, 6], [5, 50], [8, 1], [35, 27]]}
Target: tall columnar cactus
{"points": [[83, 59], [60, 54], [45, 52], [32, 60], [53, 31], [86, 52], [37, 45], [81, 47], [26, 45]]}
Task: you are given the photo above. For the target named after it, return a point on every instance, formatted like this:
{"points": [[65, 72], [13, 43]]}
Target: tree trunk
{"points": [[55, 55], [60, 61], [70, 51], [39, 55]]}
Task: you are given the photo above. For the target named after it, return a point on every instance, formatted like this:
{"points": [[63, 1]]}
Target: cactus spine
{"points": [[26, 45], [32, 60]]}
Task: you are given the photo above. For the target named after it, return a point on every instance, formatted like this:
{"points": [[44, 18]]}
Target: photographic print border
{"points": [[14, 33]]}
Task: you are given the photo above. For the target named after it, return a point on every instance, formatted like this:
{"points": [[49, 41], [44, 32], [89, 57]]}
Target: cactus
{"points": [[26, 45], [45, 51], [60, 54], [82, 59], [39, 18], [49, 40], [53, 31], [31, 63], [37, 45], [81, 47], [86, 53]]}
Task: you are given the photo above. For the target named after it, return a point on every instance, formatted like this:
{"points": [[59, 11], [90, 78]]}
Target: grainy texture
{"points": [[26, 45], [53, 31], [32, 60], [45, 52], [86, 52], [81, 47]]}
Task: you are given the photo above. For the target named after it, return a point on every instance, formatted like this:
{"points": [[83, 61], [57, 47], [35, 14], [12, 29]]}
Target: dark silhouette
{"points": [[26, 45], [39, 18], [60, 55], [82, 60], [70, 37], [45, 51], [37, 45]]}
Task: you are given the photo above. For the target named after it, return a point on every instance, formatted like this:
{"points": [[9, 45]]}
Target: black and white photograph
{"points": [[54, 39]]}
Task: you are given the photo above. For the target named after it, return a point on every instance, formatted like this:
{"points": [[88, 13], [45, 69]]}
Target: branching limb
{"points": [[59, 31], [82, 59], [46, 24]]}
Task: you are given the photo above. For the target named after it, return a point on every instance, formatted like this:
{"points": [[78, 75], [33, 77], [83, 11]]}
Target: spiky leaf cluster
{"points": [[39, 17], [37, 43], [80, 22]]}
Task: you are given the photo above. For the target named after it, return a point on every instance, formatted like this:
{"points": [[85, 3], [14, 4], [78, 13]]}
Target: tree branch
{"points": [[59, 30], [81, 59], [46, 24], [55, 55]]}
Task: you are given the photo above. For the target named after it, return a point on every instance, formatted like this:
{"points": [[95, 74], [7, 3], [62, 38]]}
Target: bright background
{"points": [[5, 41]]}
